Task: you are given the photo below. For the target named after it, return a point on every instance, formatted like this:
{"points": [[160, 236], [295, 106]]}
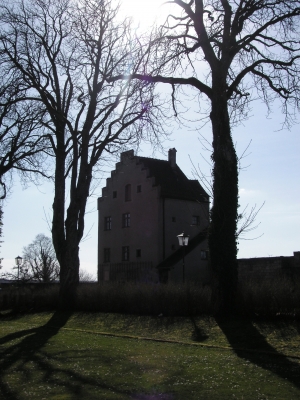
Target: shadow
{"points": [[22, 354], [25, 351], [198, 335], [249, 344]]}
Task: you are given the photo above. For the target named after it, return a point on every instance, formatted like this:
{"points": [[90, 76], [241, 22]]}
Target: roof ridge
{"points": [[151, 158]]}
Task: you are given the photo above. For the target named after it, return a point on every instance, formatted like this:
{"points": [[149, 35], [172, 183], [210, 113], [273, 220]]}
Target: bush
{"points": [[29, 297], [270, 297], [144, 299], [267, 298]]}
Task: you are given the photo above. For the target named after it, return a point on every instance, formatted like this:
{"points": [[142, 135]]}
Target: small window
{"points": [[173, 219], [125, 253], [195, 220], [126, 220], [114, 194], [106, 255], [173, 247], [204, 254], [128, 192], [139, 188], [139, 253], [107, 223]]}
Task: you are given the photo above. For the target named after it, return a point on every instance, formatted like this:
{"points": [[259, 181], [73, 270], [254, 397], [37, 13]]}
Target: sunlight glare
{"points": [[144, 14]]}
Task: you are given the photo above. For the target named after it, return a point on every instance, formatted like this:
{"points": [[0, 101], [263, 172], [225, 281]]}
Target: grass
{"points": [[116, 356]]}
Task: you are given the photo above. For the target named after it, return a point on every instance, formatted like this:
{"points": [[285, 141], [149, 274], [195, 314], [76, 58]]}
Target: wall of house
{"points": [[191, 218], [179, 218], [196, 270], [143, 233]]}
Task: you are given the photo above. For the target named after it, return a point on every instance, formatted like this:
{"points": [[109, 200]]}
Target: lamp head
{"points": [[183, 239]]}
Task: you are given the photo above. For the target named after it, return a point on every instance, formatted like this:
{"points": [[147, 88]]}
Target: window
{"points": [[128, 192], [173, 219], [139, 188], [107, 223], [204, 254], [195, 220], [114, 194], [125, 253], [138, 253], [106, 254], [126, 220], [173, 247]]}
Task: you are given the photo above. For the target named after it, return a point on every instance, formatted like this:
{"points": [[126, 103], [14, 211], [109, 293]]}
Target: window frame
{"points": [[128, 192], [204, 255], [106, 254], [138, 253], [125, 253], [107, 223], [195, 220], [126, 220]]}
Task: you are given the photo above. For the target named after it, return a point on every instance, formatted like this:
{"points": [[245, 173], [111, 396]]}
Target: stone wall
{"points": [[269, 267]]}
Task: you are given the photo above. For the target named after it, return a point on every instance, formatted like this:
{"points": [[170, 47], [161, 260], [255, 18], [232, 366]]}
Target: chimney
{"points": [[172, 157]]}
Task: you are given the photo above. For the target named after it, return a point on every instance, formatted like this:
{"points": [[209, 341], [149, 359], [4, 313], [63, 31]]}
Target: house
{"points": [[145, 205]]}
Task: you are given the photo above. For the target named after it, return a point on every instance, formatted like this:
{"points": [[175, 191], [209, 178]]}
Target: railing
{"points": [[127, 272]]}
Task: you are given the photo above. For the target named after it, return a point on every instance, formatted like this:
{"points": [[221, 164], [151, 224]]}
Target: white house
{"points": [[145, 204]]}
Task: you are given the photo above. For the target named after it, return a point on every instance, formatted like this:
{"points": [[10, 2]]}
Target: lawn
{"points": [[113, 356]]}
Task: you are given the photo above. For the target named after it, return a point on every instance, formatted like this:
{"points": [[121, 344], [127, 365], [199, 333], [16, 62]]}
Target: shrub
{"points": [[28, 297], [142, 298], [267, 298], [270, 297]]}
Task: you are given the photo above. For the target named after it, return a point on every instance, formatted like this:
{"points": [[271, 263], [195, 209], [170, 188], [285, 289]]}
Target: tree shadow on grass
{"points": [[198, 334], [248, 343], [24, 348]]}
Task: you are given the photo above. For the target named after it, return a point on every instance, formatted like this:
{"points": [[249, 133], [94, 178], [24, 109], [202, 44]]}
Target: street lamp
{"points": [[183, 242], [18, 263]]}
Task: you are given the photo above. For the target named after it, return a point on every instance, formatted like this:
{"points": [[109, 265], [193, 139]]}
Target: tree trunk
{"points": [[74, 229], [222, 233], [69, 276]]}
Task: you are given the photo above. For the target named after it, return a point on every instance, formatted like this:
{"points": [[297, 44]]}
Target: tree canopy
{"points": [[23, 145], [39, 260]]}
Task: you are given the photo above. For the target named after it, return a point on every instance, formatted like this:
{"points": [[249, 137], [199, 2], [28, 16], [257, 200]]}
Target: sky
{"points": [[269, 176]]}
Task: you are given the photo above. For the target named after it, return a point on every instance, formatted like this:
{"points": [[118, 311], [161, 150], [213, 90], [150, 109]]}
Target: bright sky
{"points": [[272, 176], [144, 13]]}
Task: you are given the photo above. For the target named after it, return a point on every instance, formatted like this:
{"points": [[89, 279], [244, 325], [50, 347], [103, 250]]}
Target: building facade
{"points": [[145, 204]]}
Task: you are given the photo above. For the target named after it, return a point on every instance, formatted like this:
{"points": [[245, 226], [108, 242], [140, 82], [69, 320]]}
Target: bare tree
{"points": [[39, 263], [86, 276], [228, 52], [65, 52], [39, 259], [23, 146]]}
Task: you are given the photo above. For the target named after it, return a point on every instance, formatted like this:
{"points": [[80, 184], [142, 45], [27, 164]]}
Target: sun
{"points": [[144, 14]]}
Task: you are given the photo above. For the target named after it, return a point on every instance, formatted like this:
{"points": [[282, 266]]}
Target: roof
{"points": [[173, 182]]}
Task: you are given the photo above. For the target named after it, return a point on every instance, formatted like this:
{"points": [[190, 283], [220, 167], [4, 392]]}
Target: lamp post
{"points": [[18, 261], [183, 242]]}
